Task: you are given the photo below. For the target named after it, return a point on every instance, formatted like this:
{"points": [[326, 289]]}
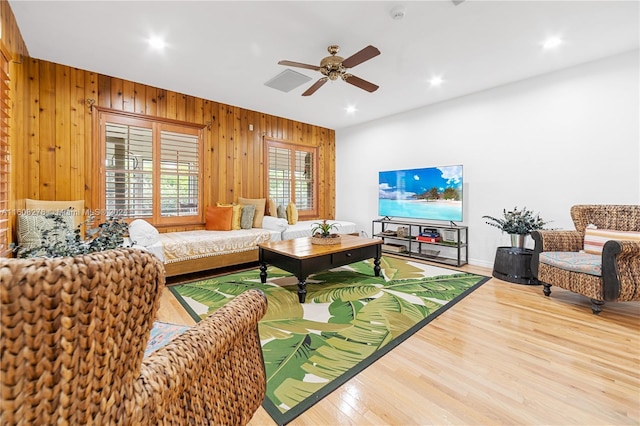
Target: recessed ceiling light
{"points": [[435, 81], [157, 43], [551, 43], [351, 109]]}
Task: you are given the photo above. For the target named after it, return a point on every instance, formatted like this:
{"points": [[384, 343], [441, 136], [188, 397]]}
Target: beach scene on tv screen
{"points": [[427, 193]]}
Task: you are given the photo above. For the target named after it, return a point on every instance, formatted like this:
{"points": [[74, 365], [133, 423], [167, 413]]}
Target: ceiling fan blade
{"points": [[318, 84], [358, 58], [358, 82], [299, 65]]}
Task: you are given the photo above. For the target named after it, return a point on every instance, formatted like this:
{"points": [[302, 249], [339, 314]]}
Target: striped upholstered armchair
{"points": [[74, 331], [600, 259]]}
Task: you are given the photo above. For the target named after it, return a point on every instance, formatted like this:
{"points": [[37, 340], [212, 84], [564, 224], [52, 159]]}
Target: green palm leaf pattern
{"points": [[349, 316]]}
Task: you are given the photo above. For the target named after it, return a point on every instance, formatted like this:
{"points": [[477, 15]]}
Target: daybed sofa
{"points": [[194, 251], [186, 251]]}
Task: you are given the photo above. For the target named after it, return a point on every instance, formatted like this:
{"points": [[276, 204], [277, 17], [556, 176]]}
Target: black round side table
{"points": [[513, 264]]}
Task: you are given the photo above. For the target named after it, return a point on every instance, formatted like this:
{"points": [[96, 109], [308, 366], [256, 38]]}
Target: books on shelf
{"points": [[427, 231], [428, 239]]}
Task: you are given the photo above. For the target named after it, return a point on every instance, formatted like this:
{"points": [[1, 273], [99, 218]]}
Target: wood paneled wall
{"points": [[53, 140]]}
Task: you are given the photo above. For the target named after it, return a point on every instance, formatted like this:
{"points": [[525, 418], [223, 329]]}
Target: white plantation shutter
{"points": [[129, 171], [179, 174], [279, 175]]}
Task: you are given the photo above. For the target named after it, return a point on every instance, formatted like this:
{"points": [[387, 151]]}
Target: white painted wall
{"points": [[564, 138]]}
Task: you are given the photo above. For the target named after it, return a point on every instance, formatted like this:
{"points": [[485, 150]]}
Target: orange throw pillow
{"points": [[218, 218]]}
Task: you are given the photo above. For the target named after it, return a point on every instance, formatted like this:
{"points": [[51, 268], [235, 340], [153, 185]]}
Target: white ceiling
{"points": [[226, 50]]}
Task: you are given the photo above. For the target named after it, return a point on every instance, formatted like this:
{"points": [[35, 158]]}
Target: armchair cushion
{"points": [[594, 239], [573, 261]]}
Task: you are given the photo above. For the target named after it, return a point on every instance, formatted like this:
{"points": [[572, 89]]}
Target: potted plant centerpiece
{"points": [[517, 223], [321, 233]]}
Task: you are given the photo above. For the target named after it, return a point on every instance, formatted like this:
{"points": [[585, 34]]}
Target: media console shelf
{"points": [[403, 238]]}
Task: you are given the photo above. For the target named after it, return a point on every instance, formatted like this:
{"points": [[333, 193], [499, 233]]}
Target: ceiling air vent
{"points": [[287, 80]]}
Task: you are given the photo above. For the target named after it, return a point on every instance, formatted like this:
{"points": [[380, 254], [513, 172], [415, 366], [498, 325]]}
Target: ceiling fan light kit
{"points": [[333, 67]]}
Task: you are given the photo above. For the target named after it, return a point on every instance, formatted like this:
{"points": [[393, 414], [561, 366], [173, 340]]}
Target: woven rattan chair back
{"points": [[74, 332], [616, 217]]}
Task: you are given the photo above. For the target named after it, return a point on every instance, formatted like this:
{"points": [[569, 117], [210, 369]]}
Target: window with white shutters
{"points": [[152, 169], [291, 175]]}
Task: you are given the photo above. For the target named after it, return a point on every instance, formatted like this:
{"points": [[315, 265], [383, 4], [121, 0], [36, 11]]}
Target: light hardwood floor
{"points": [[505, 354]]}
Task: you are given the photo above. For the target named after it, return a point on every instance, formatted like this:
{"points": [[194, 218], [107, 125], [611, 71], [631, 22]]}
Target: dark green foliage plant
{"points": [[61, 240], [323, 228], [516, 221]]}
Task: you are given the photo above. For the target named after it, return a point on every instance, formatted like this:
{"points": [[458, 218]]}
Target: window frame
{"points": [[293, 148], [157, 125]]}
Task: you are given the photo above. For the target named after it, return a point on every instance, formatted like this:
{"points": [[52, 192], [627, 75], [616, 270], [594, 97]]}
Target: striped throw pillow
{"points": [[594, 239]]}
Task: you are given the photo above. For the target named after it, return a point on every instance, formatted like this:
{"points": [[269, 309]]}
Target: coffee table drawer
{"points": [[351, 256]]}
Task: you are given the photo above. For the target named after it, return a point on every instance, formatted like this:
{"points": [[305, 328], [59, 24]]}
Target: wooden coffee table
{"points": [[302, 258]]}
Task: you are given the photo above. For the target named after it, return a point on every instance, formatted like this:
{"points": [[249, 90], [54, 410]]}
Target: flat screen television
{"points": [[431, 193]]}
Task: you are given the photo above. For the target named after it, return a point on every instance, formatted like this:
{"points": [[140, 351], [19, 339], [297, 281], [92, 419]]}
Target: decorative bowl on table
{"points": [[330, 239]]}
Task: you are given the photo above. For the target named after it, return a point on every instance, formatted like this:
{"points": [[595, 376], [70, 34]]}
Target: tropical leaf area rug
{"points": [[350, 319]]}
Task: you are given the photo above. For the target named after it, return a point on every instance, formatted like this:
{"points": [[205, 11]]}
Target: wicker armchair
{"points": [[74, 331], [614, 275]]}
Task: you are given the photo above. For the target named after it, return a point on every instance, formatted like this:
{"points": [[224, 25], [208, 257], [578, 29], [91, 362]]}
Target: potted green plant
{"points": [[517, 223], [321, 233]]}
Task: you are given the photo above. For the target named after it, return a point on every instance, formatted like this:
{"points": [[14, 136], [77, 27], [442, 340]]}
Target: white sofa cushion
{"points": [[274, 223]]}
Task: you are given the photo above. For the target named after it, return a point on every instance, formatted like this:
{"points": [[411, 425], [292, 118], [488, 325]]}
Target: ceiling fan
{"points": [[334, 67]]}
